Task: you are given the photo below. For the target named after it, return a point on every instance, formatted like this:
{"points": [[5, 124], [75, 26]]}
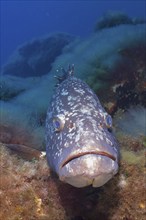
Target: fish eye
{"points": [[58, 123], [108, 120]]}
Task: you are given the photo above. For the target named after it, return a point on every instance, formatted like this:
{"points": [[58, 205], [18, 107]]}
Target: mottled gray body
{"points": [[80, 148]]}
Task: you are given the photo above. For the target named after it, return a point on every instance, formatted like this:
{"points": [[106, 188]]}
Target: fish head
{"points": [[81, 147]]}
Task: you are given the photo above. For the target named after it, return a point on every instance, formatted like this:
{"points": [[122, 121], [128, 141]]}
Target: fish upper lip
{"points": [[102, 153]]}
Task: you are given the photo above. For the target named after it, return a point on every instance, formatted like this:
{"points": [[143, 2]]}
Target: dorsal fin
{"points": [[65, 75]]}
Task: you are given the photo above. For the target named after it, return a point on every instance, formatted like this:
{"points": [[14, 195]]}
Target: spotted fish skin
{"points": [[79, 146]]}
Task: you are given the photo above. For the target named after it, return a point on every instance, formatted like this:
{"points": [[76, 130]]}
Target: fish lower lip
{"points": [[101, 153]]}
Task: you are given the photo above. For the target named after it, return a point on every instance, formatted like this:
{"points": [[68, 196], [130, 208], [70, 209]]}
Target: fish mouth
{"points": [[99, 153]]}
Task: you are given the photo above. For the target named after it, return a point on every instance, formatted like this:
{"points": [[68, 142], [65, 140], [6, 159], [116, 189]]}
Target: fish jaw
{"points": [[89, 169]]}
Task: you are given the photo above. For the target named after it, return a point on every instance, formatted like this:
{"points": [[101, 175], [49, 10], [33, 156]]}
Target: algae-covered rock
{"points": [[111, 19], [28, 190], [12, 86], [131, 122]]}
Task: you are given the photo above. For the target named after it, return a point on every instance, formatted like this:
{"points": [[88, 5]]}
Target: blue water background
{"points": [[22, 21]]}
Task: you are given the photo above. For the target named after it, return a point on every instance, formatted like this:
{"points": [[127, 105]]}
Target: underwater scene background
{"points": [[106, 41]]}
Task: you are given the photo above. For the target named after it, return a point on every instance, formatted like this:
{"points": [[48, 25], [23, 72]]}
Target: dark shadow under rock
{"points": [[89, 203]]}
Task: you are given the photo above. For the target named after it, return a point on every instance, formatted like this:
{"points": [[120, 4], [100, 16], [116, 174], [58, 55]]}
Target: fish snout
{"points": [[88, 168]]}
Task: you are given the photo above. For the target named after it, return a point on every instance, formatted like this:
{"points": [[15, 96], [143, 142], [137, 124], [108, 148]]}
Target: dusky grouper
{"points": [[80, 145]]}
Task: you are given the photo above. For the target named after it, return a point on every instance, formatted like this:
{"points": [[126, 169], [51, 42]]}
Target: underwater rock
{"points": [[35, 58], [112, 19], [24, 114], [17, 126], [114, 69], [132, 121], [28, 190], [25, 152], [5, 134], [12, 86]]}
